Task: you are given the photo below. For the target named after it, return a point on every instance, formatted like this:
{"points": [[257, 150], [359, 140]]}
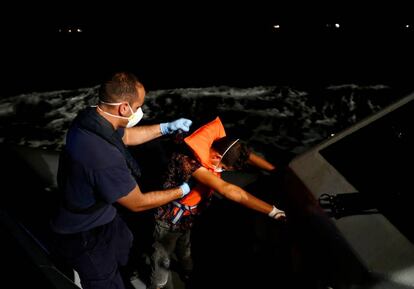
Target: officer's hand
{"points": [[170, 127], [185, 188], [277, 214]]}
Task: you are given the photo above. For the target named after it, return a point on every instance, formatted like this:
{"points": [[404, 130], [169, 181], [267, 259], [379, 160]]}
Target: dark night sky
{"points": [[187, 45]]}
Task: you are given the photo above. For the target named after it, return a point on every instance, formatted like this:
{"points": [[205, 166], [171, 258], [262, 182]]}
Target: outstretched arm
{"points": [[235, 193], [260, 162]]}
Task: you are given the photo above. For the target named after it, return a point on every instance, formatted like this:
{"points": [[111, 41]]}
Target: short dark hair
{"points": [[237, 156], [122, 86]]}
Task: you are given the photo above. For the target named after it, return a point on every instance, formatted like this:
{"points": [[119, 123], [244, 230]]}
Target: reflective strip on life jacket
{"points": [[180, 212]]}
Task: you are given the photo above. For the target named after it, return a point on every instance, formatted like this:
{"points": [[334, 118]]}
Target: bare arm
{"points": [[136, 201], [260, 162], [141, 134], [231, 192]]}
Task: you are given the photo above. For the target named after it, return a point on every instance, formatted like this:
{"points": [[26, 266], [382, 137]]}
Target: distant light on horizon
{"points": [[407, 26], [335, 25], [70, 30]]}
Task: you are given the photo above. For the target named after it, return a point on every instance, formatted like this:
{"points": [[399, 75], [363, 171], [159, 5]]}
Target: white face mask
{"points": [[218, 169], [133, 119]]}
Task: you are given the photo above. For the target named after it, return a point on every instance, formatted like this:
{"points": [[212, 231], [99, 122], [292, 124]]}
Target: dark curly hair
{"points": [[237, 156]]}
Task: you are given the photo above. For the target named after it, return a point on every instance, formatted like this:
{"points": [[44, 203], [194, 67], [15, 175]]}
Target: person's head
{"points": [[121, 98], [229, 154]]}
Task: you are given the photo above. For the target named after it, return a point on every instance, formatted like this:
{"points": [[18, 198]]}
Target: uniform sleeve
{"points": [[113, 183]]}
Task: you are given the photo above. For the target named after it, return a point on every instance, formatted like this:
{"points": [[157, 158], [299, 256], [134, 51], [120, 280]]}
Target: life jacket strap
{"points": [[181, 210]]}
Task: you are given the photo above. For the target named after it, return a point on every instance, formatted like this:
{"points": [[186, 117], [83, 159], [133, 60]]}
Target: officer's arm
{"points": [[137, 201], [141, 134]]}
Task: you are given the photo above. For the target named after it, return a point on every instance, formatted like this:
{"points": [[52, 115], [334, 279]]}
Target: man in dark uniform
{"points": [[95, 171]]}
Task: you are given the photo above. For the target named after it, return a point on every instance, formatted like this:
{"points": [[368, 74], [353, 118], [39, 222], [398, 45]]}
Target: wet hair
{"points": [[122, 86], [236, 156]]}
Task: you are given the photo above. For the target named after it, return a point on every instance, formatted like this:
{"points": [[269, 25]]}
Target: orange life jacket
{"points": [[200, 143]]}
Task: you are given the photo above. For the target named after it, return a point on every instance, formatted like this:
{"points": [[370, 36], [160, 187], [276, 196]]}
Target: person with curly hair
{"points": [[204, 155]]}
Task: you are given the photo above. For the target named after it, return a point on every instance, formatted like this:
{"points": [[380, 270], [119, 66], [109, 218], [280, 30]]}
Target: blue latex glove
{"points": [[170, 127], [185, 188]]}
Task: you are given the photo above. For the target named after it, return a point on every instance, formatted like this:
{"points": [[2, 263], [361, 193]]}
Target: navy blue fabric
{"points": [[90, 120], [97, 254], [95, 171]]}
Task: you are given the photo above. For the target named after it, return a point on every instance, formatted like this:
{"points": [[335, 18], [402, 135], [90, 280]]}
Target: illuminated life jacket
{"points": [[200, 143]]}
